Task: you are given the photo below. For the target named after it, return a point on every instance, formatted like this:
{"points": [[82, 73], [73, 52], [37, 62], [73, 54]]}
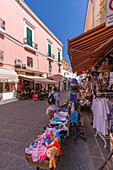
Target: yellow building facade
{"points": [[92, 19]]}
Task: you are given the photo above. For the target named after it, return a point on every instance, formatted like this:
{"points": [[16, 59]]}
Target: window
{"points": [[49, 50], [58, 56], [50, 65], [7, 87], [59, 69], [29, 37], [29, 62]]}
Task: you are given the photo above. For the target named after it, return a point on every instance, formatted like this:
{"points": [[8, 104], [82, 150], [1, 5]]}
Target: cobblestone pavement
{"points": [[23, 120]]}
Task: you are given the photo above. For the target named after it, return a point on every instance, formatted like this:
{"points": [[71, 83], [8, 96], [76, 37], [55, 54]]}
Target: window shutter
{"points": [[29, 37], [58, 56], [49, 50]]}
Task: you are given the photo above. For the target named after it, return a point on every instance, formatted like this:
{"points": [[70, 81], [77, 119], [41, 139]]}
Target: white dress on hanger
{"points": [[100, 110]]}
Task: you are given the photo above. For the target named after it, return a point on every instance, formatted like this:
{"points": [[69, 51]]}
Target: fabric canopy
{"points": [[88, 48], [37, 79], [8, 75], [81, 71]]}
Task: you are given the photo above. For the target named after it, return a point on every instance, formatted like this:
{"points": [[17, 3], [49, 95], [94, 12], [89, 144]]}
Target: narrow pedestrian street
{"points": [[23, 120]]}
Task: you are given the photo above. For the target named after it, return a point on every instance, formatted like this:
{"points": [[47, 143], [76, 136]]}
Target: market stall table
{"points": [[44, 150]]}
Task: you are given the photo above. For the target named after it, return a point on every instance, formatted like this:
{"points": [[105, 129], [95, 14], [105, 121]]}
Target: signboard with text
{"points": [[109, 13]]}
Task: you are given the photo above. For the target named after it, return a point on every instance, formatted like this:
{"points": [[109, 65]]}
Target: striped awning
{"points": [[8, 75], [90, 47], [37, 79]]}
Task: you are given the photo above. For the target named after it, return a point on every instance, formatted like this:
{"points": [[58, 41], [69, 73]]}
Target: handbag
{"points": [[47, 111]]}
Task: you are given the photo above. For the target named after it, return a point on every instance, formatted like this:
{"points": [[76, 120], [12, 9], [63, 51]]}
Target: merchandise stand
{"points": [[43, 164], [104, 138], [79, 133], [107, 137], [75, 110]]}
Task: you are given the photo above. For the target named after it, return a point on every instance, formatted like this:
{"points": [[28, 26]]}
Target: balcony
{"points": [[18, 63], [50, 68], [2, 26], [24, 66], [65, 78], [50, 56], [30, 45], [1, 56], [59, 62]]}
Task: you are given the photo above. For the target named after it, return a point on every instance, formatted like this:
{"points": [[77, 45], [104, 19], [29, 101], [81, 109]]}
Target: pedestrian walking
{"points": [[57, 96], [52, 101]]}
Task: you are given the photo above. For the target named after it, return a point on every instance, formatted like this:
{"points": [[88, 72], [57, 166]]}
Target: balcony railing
{"points": [[1, 56], [51, 55], [59, 61], [50, 68], [30, 43], [2, 24], [65, 78]]}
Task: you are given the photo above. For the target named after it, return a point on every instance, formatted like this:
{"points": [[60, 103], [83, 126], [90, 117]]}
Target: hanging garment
{"points": [[100, 111]]}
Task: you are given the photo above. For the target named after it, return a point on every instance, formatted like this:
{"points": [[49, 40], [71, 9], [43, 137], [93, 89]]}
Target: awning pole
{"points": [[70, 51], [34, 86]]}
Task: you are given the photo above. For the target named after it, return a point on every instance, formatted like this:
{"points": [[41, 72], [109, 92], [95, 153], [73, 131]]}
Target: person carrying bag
{"points": [[52, 99]]}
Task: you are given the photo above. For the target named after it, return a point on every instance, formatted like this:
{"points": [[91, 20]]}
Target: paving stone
{"points": [[18, 128], [7, 134], [6, 145], [5, 159], [5, 126], [18, 150], [18, 164], [23, 138], [97, 162]]}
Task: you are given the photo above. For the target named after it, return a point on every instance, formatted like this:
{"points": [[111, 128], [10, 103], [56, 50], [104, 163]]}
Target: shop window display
{"points": [[7, 87]]}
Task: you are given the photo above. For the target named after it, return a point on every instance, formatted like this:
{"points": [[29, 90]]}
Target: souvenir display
{"points": [[48, 144]]}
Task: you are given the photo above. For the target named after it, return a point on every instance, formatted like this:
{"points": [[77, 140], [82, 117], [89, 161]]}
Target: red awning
{"points": [[81, 71], [90, 47]]}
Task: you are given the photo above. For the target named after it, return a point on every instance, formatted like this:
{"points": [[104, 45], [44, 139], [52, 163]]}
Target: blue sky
{"points": [[65, 18]]}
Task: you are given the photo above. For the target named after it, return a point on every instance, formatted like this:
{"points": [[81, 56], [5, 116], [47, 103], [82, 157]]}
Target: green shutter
{"points": [[49, 50], [29, 37], [58, 56]]}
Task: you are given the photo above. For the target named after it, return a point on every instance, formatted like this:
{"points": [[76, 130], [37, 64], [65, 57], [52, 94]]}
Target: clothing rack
{"points": [[106, 93], [104, 138]]}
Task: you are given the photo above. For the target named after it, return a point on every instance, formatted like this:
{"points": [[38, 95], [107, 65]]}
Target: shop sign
{"points": [[109, 13], [3, 80], [6, 80], [111, 77]]}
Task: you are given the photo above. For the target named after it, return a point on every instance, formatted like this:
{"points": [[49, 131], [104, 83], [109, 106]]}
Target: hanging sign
{"points": [[111, 77], [109, 13]]}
